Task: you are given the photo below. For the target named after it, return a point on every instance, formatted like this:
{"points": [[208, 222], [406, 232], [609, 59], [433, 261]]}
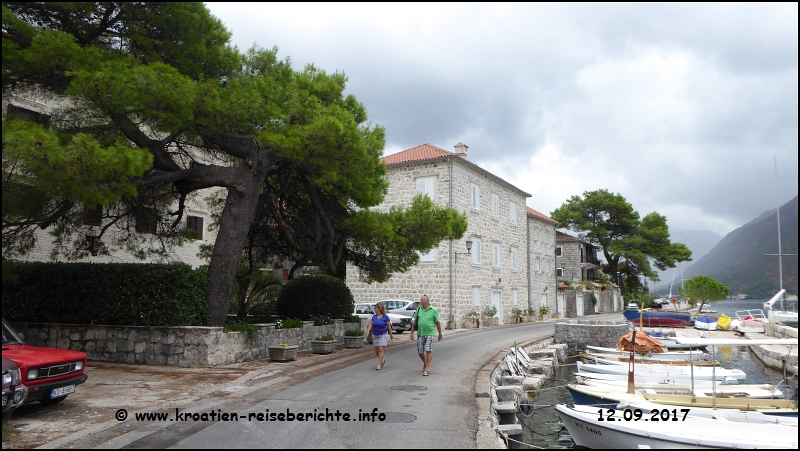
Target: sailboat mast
{"points": [[778, 212]]}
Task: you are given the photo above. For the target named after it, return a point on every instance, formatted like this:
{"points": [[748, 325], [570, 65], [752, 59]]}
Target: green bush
{"points": [[319, 295], [289, 323], [320, 321], [354, 333], [352, 319], [122, 294], [324, 338]]}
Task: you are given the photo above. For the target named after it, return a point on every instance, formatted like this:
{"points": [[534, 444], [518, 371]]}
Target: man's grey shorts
{"points": [[425, 344]]}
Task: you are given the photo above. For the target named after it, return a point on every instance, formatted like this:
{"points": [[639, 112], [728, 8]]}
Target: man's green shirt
{"points": [[427, 321]]}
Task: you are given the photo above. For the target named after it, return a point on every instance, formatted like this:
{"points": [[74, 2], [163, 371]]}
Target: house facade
{"points": [[197, 216], [576, 260], [494, 271], [541, 260]]}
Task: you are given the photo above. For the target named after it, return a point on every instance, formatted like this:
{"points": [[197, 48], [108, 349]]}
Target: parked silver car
{"points": [[400, 323], [400, 306]]}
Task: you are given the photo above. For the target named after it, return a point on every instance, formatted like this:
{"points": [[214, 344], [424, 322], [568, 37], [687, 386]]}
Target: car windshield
{"points": [[10, 336]]}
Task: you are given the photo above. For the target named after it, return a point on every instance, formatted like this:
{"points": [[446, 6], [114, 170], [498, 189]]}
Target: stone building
{"points": [[197, 216], [495, 270], [541, 260], [576, 260]]}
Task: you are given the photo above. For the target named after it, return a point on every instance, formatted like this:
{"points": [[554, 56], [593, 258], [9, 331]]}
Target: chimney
{"points": [[461, 150]]}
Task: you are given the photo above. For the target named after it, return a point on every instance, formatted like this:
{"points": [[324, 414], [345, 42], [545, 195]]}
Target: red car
{"points": [[14, 393], [49, 373]]}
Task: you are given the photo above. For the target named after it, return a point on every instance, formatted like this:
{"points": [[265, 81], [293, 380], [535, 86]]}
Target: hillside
{"points": [[740, 261]]}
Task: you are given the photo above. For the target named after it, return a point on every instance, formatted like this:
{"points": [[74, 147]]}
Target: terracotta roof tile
{"points": [[532, 212], [560, 236], [420, 153]]}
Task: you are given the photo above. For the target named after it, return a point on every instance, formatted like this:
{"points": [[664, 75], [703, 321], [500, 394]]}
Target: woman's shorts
{"points": [[380, 340]]}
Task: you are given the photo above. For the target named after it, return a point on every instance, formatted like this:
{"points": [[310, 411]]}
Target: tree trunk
{"points": [[234, 224]]}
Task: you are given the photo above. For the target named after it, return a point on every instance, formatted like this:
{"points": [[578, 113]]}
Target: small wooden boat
{"points": [[588, 357], [591, 395], [689, 371], [669, 355], [703, 388]]}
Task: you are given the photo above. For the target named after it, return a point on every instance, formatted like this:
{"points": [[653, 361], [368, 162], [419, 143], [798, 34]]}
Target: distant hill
{"points": [[699, 242], [739, 260]]}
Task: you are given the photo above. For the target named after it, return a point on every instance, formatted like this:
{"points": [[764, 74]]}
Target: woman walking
{"points": [[381, 328]]}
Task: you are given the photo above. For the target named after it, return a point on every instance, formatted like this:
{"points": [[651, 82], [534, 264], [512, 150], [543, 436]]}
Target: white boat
{"points": [[591, 429], [669, 355], [590, 356], [703, 388], [705, 323], [678, 379], [689, 371], [591, 395], [671, 344]]}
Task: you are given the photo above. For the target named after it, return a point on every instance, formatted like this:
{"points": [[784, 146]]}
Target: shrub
{"points": [[121, 294], [544, 310], [320, 321], [354, 333], [489, 311], [318, 295], [352, 319], [289, 323], [324, 338], [517, 313], [472, 314]]}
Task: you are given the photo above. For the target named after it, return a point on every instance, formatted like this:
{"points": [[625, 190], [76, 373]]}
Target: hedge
{"points": [[125, 294], [322, 296]]}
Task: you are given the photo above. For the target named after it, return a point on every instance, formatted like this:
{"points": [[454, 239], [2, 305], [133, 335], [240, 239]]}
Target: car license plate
{"points": [[63, 391], [5, 401]]}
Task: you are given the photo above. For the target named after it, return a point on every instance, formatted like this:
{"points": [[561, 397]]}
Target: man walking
{"points": [[426, 321]]}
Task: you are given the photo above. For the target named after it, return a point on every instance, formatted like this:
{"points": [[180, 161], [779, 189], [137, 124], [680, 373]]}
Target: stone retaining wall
{"points": [[576, 334], [188, 346]]}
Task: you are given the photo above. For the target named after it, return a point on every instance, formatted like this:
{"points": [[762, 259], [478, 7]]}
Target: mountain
{"points": [[739, 260], [699, 242]]}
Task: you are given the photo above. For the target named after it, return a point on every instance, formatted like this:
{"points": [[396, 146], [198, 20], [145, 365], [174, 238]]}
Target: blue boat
{"points": [[659, 319]]}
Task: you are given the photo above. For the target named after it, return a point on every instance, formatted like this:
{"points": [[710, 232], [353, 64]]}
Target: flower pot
{"points": [[353, 342], [530, 318], [323, 347], [470, 323], [282, 353]]}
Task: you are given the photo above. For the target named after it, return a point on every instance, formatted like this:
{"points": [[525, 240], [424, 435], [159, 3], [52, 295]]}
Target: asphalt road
{"points": [[436, 411]]}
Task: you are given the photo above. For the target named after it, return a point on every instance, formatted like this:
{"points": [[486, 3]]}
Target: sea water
{"points": [[542, 427]]}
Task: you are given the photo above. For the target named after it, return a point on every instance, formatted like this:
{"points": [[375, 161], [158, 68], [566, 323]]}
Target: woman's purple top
{"points": [[380, 325]]}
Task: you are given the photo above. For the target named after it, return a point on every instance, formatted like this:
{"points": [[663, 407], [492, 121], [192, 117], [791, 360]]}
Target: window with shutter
{"points": [[426, 187], [476, 197], [512, 212], [496, 259], [514, 259], [476, 297], [195, 224], [495, 205], [476, 251]]}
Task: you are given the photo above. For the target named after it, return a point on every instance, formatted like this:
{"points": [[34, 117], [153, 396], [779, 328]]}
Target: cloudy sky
{"points": [[681, 109]]}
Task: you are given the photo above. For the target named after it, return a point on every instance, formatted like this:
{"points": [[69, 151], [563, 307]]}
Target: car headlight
{"points": [[79, 365], [7, 379], [15, 376], [32, 374]]}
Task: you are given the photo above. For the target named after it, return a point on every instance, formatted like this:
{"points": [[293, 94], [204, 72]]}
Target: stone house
{"points": [[496, 269], [541, 260], [197, 215], [576, 260]]}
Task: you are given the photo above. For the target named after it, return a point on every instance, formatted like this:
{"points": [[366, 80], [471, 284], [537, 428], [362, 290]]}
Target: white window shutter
{"points": [[476, 297], [496, 256], [476, 251], [514, 259], [512, 212]]}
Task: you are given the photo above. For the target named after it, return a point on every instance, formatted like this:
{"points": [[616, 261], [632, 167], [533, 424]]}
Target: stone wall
{"points": [[187, 346], [576, 334]]}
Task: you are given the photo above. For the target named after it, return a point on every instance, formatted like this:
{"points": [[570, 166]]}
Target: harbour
{"points": [[542, 427]]}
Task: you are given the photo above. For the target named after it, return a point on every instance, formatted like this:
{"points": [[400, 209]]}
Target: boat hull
{"points": [[656, 319], [585, 430]]}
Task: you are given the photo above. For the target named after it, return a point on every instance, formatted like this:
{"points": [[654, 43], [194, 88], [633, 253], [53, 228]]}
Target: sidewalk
{"points": [[88, 417]]}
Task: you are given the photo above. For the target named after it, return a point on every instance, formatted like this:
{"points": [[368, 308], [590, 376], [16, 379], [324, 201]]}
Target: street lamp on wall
{"points": [[469, 249]]}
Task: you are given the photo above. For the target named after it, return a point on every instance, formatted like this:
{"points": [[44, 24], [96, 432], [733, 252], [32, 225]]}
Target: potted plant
{"points": [[472, 320], [282, 352], [544, 312], [323, 345], [517, 313], [489, 313], [530, 314], [353, 338]]}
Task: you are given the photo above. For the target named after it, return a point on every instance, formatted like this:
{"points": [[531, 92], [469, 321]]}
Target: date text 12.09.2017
{"points": [[638, 415]]}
